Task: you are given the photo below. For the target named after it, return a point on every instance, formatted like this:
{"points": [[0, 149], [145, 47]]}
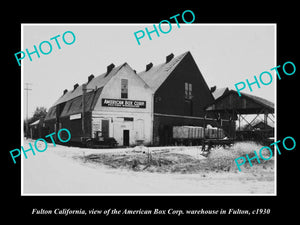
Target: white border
{"points": [[147, 194]]}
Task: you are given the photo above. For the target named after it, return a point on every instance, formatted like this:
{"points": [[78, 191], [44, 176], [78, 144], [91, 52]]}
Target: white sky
{"points": [[225, 54]]}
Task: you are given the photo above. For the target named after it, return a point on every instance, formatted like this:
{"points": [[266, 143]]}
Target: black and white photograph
{"points": [[163, 117], [128, 112]]}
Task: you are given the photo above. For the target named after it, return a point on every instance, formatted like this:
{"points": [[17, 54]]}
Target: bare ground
{"points": [[169, 170], [179, 161]]}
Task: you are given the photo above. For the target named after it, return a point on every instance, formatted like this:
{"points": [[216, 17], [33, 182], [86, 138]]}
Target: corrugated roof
{"points": [[159, 73], [97, 82]]}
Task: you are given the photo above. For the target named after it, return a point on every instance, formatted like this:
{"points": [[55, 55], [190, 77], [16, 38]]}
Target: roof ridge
{"points": [[100, 79], [156, 75], [258, 99]]}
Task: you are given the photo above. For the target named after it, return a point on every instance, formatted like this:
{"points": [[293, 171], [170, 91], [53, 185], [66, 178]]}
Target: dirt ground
{"points": [[172, 170], [185, 160]]}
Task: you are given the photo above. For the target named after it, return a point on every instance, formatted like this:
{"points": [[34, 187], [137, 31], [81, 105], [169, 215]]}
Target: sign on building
{"points": [[123, 103]]}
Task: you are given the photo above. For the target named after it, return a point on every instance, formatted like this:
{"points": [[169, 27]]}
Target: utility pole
{"points": [[27, 124], [84, 89]]}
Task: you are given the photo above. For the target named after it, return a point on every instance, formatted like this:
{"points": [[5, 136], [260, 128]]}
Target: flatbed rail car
{"points": [[207, 137]]}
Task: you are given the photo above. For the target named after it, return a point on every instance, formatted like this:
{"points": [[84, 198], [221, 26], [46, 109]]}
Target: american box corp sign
{"points": [[123, 103]]}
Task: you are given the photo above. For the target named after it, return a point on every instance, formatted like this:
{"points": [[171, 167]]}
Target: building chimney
{"points": [[109, 68], [212, 89], [169, 57], [91, 77], [75, 86], [149, 66], [65, 91]]}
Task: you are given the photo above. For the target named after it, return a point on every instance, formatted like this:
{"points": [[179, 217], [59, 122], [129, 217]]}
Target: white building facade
{"points": [[124, 109]]}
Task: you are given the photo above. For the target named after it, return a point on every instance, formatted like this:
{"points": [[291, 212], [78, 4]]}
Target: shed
{"points": [[37, 129], [236, 107]]}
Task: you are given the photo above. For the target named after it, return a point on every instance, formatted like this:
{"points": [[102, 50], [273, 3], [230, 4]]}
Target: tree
{"points": [[40, 112]]}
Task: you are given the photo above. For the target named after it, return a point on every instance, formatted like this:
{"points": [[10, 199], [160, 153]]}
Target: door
{"points": [[188, 107], [126, 137], [105, 128]]}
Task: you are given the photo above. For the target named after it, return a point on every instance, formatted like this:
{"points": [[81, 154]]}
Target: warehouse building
{"points": [[135, 107], [180, 96], [115, 104]]}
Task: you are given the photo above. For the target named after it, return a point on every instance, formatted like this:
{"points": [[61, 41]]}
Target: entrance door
{"points": [[126, 137], [105, 128], [165, 135]]}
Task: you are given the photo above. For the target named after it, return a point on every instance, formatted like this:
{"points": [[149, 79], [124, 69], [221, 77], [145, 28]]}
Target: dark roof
{"points": [[261, 124], [260, 104], [74, 106], [159, 73], [219, 92], [97, 82], [74, 97], [259, 100], [51, 114]]}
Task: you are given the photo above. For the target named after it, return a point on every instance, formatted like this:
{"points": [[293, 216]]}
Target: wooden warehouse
{"points": [[180, 96], [135, 107], [115, 104]]}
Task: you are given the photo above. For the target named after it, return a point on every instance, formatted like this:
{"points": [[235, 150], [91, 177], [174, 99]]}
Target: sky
{"points": [[225, 54]]}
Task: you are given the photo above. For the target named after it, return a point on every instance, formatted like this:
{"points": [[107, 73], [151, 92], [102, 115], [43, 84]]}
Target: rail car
{"points": [[206, 137]]}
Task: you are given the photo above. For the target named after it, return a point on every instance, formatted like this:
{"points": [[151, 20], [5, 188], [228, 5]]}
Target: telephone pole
{"points": [[27, 124]]}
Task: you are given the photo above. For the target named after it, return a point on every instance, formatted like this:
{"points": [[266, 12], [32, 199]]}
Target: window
{"points": [[188, 107], [124, 88], [188, 103], [188, 91], [128, 118]]}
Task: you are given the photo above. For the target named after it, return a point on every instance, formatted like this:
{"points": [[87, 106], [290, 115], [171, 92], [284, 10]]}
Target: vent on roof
{"points": [[149, 66], [109, 69], [169, 57], [91, 77], [212, 89], [65, 91], [75, 86]]}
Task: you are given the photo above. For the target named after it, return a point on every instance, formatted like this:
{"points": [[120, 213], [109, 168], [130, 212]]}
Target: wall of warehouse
{"points": [[137, 121]]}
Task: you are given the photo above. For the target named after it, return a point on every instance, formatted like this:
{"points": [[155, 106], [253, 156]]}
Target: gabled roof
{"points": [[97, 82], [219, 92], [262, 124], [259, 100], [159, 73], [35, 123], [237, 104]]}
